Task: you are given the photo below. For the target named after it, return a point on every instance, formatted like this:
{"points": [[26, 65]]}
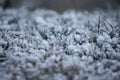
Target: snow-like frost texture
{"points": [[45, 45]]}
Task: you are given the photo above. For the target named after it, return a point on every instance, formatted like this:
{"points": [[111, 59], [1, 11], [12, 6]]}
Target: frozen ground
{"points": [[45, 45]]}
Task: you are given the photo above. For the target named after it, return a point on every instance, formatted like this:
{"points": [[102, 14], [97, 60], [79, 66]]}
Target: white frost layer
{"points": [[45, 45]]}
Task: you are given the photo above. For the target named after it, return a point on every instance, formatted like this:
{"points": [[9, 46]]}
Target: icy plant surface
{"points": [[45, 45]]}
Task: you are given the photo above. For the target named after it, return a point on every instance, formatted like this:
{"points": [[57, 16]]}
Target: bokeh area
{"points": [[61, 5]]}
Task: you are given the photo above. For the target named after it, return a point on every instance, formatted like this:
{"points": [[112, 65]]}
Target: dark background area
{"points": [[60, 5]]}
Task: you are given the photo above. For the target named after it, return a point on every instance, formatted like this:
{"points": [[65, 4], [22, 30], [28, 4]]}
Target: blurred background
{"points": [[60, 5]]}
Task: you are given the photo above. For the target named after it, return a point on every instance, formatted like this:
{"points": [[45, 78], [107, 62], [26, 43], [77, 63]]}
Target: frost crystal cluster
{"points": [[45, 45]]}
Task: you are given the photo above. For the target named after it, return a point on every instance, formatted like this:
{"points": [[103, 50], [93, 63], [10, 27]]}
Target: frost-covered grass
{"points": [[45, 45]]}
